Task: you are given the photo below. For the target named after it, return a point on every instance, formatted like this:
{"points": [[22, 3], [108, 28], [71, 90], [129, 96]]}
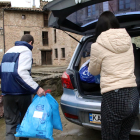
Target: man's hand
{"points": [[41, 92]]}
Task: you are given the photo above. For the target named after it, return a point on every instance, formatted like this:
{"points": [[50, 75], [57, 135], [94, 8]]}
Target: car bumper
{"points": [[74, 104]]}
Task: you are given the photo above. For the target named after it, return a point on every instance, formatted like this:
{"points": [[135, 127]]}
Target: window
{"points": [[26, 32], [89, 11], [45, 38], [23, 17], [63, 52], [54, 35], [124, 4], [45, 20], [56, 53]]}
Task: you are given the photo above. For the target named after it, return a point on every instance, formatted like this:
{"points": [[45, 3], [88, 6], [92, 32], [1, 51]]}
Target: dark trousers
{"points": [[15, 108], [1, 107], [118, 113]]}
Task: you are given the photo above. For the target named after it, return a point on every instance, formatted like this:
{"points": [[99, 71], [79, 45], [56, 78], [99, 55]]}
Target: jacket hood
{"points": [[23, 43], [115, 40]]}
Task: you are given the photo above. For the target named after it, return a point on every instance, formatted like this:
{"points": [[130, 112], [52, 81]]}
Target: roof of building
{"points": [[5, 2], [22, 9]]}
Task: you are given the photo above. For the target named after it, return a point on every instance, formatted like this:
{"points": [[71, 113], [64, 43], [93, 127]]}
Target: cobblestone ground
{"points": [[70, 131]]}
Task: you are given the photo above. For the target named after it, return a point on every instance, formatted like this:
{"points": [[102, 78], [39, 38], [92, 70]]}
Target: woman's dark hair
{"points": [[106, 21], [28, 38]]}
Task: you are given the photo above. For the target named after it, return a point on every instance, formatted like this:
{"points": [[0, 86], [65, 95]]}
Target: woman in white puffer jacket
{"points": [[112, 57]]}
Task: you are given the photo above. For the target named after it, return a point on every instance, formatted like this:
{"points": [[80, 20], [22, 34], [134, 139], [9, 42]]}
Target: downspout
{"points": [[3, 33], [34, 4]]}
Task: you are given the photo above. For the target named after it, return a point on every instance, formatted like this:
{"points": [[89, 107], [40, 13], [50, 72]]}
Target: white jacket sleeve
{"points": [[95, 61], [24, 66]]}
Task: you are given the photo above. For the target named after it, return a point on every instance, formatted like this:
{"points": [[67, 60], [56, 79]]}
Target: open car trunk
{"points": [[69, 15], [85, 89], [90, 90]]}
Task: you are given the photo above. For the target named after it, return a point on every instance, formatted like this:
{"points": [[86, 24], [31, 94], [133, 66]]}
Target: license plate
{"points": [[95, 118]]}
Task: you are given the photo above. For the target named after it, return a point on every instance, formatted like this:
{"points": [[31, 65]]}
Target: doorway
{"points": [[46, 57]]}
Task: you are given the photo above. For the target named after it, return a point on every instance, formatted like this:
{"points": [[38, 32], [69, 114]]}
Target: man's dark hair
{"points": [[28, 38], [106, 21]]}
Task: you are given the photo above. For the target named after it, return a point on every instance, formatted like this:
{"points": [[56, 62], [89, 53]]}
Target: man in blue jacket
{"points": [[17, 84]]}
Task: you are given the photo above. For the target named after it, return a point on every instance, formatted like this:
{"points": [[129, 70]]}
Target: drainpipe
{"points": [[34, 4], [3, 32]]}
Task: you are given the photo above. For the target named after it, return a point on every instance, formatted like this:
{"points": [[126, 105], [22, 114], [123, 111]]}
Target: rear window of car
{"points": [[91, 13]]}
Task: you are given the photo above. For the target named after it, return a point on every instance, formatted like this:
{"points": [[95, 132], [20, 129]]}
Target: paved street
{"points": [[70, 131]]}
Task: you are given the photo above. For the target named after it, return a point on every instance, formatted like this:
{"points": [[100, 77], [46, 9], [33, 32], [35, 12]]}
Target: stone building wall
{"points": [[42, 3], [114, 6], [1, 34], [137, 4], [15, 27], [64, 41]]}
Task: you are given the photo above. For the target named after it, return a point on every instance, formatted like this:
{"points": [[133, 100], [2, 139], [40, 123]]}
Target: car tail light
{"points": [[66, 82], [71, 116]]}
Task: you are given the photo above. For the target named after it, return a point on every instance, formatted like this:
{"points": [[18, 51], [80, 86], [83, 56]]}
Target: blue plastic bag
{"points": [[97, 79], [86, 76], [37, 122], [55, 111]]}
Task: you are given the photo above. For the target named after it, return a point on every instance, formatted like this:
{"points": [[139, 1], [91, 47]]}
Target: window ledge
{"points": [[62, 59], [55, 58]]}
